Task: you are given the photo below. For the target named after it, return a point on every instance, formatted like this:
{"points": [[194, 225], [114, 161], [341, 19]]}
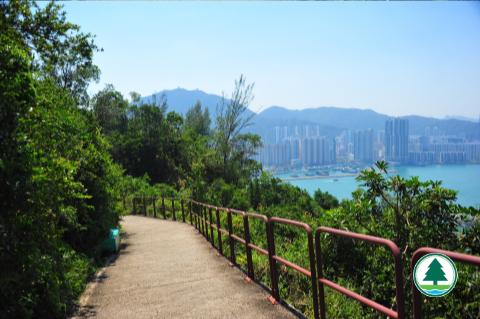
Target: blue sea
{"points": [[463, 178]]}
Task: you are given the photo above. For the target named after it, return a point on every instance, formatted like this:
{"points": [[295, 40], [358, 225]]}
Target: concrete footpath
{"points": [[168, 270]]}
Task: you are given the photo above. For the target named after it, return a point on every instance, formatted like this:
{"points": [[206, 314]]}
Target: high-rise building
{"points": [[318, 150], [277, 134], [396, 140], [478, 136], [389, 140], [307, 131], [363, 146]]}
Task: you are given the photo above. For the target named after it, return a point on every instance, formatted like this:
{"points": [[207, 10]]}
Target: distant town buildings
{"points": [[307, 151], [304, 146], [396, 140], [426, 150], [317, 151], [363, 146]]}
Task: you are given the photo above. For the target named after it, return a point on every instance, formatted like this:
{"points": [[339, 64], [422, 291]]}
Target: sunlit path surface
{"points": [[168, 270]]}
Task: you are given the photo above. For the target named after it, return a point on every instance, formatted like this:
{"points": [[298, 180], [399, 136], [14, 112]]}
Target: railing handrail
{"points": [[315, 272], [400, 313]]}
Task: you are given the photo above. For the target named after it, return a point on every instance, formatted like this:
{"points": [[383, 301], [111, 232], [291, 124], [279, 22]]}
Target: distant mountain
{"points": [[330, 116], [329, 120], [181, 100], [449, 127], [356, 119], [461, 118]]}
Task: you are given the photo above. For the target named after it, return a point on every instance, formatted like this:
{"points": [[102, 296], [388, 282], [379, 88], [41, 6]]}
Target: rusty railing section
{"points": [[400, 313], [274, 259]]}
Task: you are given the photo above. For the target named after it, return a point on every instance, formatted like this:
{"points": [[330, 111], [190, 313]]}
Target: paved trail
{"points": [[167, 270]]}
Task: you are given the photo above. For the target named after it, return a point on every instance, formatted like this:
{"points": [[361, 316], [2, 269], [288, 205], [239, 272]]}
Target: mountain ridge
{"points": [[330, 119]]}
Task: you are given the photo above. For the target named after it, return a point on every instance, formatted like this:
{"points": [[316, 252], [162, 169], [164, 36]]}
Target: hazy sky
{"points": [[395, 58]]}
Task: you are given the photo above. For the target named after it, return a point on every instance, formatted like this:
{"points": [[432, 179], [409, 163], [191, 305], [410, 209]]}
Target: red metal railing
{"points": [[274, 258], [400, 313], [201, 217], [251, 245], [417, 297]]}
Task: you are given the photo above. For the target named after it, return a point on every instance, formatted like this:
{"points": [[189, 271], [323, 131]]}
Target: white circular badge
{"points": [[435, 275]]}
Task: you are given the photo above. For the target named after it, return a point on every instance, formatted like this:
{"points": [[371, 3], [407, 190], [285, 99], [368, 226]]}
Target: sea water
{"points": [[465, 179]]}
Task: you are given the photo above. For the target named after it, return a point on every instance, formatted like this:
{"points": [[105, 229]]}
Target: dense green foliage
{"points": [[58, 184], [197, 120], [325, 199]]}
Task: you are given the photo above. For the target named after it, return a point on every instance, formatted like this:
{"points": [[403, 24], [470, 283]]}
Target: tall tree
{"points": [[197, 120], [58, 48], [110, 110], [152, 144], [234, 147]]}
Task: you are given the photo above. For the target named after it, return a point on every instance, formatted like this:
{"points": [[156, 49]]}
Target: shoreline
{"points": [[318, 177]]}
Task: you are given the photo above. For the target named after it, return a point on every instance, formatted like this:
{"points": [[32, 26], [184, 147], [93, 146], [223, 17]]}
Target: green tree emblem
{"points": [[435, 272]]}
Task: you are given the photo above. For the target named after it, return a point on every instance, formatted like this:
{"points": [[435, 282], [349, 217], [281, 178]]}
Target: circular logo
{"points": [[435, 275]]}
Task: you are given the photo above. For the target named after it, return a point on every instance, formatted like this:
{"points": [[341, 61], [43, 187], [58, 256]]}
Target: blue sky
{"points": [[395, 58]]}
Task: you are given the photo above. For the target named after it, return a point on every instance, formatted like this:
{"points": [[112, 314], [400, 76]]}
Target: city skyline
{"points": [[306, 147], [394, 58]]}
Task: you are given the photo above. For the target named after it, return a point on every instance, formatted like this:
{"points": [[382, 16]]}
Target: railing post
{"points": [[313, 273], [272, 262], [321, 289], [211, 226], [144, 206], [199, 224], [154, 208], [219, 233], [183, 210], [190, 211], [163, 208], [231, 241], [205, 223], [205, 228], [173, 209], [194, 211], [200, 221], [134, 202], [248, 250], [399, 286], [416, 296], [192, 214]]}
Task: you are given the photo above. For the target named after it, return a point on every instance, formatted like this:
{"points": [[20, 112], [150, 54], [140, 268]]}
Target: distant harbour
{"points": [[299, 178], [463, 178]]}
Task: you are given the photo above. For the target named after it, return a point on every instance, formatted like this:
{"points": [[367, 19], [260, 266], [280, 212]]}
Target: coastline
{"points": [[465, 179], [299, 178]]}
